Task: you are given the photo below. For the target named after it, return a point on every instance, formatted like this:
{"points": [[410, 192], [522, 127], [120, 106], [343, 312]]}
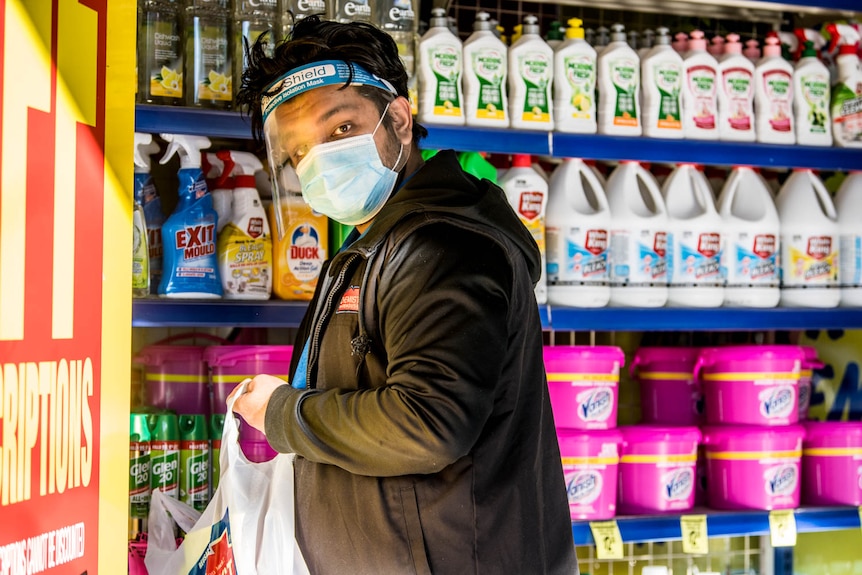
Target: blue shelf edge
{"points": [[155, 312], [227, 124], [722, 524]]}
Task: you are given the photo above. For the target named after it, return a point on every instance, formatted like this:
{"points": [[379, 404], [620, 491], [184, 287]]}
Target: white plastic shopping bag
{"points": [[247, 529]]}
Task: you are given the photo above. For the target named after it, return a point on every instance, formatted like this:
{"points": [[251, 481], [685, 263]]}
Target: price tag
{"points": [[694, 536], [782, 528], [609, 542]]}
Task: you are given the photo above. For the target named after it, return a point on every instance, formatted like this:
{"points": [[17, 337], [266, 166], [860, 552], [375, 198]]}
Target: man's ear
{"points": [[402, 119]]}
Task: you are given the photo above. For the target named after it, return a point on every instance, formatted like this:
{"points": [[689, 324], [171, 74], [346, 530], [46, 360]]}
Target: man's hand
{"points": [[251, 405]]}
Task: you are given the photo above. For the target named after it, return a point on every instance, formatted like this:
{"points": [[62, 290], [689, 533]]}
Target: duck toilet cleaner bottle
{"points": [[662, 73], [527, 191], [144, 146], [639, 238], [752, 234], [531, 74], [619, 78], [189, 234], [735, 93], [773, 95], [700, 90], [440, 57], [695, 241], [576, 231], [575, 83], [194, 461], [848, 203], [245, 244], [485, 72], [809, 242]]}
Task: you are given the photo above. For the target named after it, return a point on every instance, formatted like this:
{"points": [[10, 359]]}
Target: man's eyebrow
{"points": [[339, 108]]}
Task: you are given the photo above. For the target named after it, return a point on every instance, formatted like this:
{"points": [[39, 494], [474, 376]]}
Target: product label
{"points": [[400, 15], [303, 8], [702, 91], [163, 54], [595, 405], [668, 81], [530, 206], [695, 259], [781, 480], [213, 59], [625, 75], [218, 557], [446, 65], [847, 113], [535, 70], [583, 486], [739, 91], [810, 261], [678, 485], [638, 258], [140, 253], [753, 260], [776, 402], [139, 480], [580, 73], [778, 86], [245, 260], [154, 218], [850, 270], [815, 101], [353, 11], [250, 32], [165, 467], [305, 255], [489, 66], [194, 481], [577, 256]]}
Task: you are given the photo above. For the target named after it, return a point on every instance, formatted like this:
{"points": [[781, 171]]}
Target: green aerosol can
{"points": [[194, 461], [139, 474], [216, 430], [165, 453]]}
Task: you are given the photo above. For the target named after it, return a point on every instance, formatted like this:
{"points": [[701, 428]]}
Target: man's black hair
{"points": [[314, 40]]}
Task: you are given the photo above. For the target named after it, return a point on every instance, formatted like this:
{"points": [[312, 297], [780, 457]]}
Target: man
{"points": [[418, 408]]}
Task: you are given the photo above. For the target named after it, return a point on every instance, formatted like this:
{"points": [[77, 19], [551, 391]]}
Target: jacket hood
{"points": [[443, 190]]}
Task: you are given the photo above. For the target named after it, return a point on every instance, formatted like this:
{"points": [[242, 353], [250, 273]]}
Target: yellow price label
{"points": [[609, 542], [695, 539], [782, 528]]}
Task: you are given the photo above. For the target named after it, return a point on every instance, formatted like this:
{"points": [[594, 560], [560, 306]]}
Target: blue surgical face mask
{"points": [[346, 180]]}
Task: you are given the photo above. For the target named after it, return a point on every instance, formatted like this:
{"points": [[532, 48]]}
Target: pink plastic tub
{"points": [[590, 461], [175, 378], [809, 364], [753, 467], [670, 395], [657, 469], [832, 463], [750, 384], [254, 444], [231, 364], [583, 383]]}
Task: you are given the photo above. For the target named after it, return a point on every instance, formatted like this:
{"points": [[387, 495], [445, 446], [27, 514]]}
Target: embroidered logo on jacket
{"points": [[349, 301]]}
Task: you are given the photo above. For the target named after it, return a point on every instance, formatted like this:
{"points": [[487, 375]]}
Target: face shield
{"points": [[285, 184]]}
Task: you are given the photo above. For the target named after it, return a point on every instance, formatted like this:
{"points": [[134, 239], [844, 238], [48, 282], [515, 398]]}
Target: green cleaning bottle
{"points": [[139, 474], [216, 430], [194, 461], [165, 452], [209, 69]]}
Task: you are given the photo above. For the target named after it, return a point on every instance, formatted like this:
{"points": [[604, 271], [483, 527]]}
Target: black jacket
{"points": [[425, 441]]}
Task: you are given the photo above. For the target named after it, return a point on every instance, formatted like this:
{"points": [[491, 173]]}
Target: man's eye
{"points": [[341, 130]]}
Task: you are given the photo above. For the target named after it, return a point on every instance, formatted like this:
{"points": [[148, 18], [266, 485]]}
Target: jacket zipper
{"points": [[327, 308]]}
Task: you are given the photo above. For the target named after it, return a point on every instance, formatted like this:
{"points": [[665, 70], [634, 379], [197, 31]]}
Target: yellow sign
{"points": [[609, 542], [695, 539], [782, 528]]}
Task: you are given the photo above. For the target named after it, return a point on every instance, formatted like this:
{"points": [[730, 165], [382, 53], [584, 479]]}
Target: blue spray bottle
{"points": [[189, 234]]}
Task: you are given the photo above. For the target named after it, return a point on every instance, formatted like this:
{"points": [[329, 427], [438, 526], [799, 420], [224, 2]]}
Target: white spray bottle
{"points": [[531, 74], [575, 82], [619, 82], [217, 168], [662, 72], [812, 94], [245, 244], [847, 90], [144, 147]]}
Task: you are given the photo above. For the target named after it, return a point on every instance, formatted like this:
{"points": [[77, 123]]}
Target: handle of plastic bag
{"points": [[231, 454]]}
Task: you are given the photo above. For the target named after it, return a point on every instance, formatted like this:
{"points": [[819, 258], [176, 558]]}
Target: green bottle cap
{"points": [[216, 425], [164, 426], [139, 428], [193, 427]]}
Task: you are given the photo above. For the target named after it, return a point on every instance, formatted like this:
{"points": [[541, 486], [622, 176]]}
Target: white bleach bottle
{"points": [[662, 73], [700, 90], [773, 95], [575, 83], [577, 228], [751, 240], [485, 71], [695, 241], [809, 242], [531, 74], [638, 249], [735, 93], [848, 204], [527, 192], [440, 57], [619, 81]]}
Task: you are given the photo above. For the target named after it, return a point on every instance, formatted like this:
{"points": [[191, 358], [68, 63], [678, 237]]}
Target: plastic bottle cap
{"points": [[555, 31], [733, 45], [438, 18], [619, 33], [483, 22], [716, 46], [521, 161], [575, 30], [772, 46], [697, 43], [531, 25], [809, 51], [680, 43]]}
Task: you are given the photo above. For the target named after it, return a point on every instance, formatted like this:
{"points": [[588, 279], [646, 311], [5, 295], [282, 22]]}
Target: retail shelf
{"points": [[711, 319], [722, 524], [212, 123], [153, 312]]}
